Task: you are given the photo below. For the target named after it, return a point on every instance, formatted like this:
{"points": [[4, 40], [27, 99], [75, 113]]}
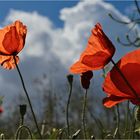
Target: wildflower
{"points": [[1, 109], [115, 86], [97, 54], [12, 40]]}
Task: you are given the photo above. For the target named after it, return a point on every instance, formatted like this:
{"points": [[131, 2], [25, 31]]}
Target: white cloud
{"points": [[52, 50]]}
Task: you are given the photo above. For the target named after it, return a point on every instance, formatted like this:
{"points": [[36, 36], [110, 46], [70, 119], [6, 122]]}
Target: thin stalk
{"points": [[83, 115], [125, 79], [133, 123], [28, 98], [67, 111], [126, 118], [117, 130], [21, 123]]}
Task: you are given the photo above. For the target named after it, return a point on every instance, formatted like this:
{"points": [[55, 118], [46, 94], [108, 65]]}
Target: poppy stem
{"points": [[125, 79], [27, 95], [126, 118], [116, 133], [83, 115], [67, 110], [118, 121]]}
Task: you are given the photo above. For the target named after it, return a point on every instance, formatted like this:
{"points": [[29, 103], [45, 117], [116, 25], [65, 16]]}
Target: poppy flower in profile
{"points": [[115, 86], [97, 54], [12, 40]]}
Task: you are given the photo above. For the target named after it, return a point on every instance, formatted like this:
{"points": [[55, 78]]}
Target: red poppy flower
{"points": [[97, 54], [115, 86], [12, 40], [1, 109]]}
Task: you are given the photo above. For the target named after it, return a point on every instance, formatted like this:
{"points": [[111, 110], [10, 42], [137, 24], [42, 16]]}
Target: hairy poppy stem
{"points": [[70, 79], [126, 118], [117, 133], [83, 115], [125, 79], [28, 98]]}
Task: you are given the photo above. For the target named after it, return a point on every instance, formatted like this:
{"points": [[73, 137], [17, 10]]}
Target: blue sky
{"points": [[47, 8], [51, 9]]}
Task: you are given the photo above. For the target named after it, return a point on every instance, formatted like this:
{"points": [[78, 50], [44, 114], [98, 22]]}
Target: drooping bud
{"points": [[85, 79], [70, 78]]}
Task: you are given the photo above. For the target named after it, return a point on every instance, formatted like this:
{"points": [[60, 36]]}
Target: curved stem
{"points": [[67, 111], [125, 79], [28, 98], [2, 136], [83, 115], [19, 130]]}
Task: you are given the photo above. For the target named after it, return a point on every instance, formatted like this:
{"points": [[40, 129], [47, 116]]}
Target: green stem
{"points": [[117, 130], [20, 129], [125, 79], [2, 136], [126, 120], [83, 115], [67, 111], [28, 98], [133, 122]]}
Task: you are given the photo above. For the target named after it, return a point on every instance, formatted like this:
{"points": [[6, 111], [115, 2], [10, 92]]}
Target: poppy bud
{"points": [[70, 78], [22, 110], [85, 79], [1, 109]]}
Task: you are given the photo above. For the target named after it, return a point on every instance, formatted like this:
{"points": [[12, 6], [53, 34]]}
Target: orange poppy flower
{"points": [[115, 86], [12, 40], [97, 54]]}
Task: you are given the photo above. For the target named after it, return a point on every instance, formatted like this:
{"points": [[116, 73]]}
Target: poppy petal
{"points": [[96, 61], [78, 67], [22, 31], [11, 40], [115, 85], [112, 101], [8, 61], [129, 66]]}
